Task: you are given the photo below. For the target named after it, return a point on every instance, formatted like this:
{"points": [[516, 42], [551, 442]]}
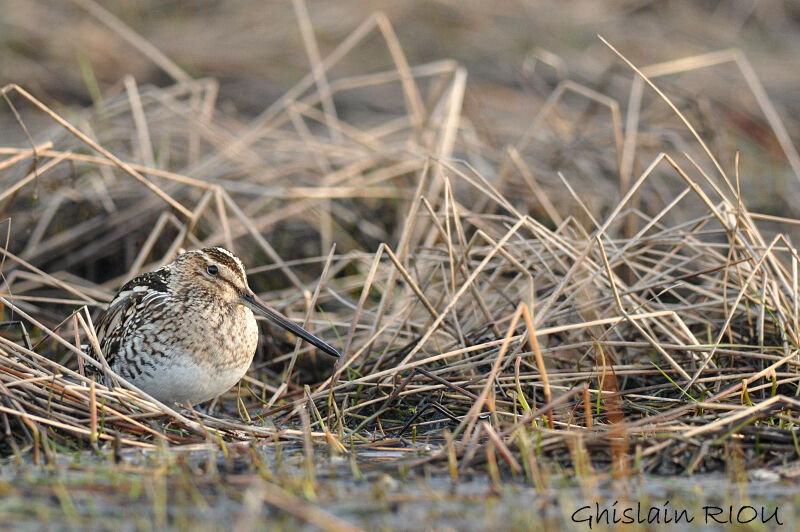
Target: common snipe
{"points": [[186, 333]]}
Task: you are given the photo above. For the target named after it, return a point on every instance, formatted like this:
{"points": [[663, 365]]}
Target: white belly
{"points": [[194, 365], [187, 382]]}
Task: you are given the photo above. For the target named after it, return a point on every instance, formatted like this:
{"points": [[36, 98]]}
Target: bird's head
{"points": [[220, 273]]}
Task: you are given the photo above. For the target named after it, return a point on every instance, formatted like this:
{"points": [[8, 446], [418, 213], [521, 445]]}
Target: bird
{"points": [[186, 332]]}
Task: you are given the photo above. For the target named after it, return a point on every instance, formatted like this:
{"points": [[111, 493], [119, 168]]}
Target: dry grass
{"points": [[628, 313]]}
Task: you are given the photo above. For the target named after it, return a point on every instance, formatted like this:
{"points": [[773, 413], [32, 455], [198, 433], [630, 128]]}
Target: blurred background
{"points": [[74, 56], [256, 50], [515, 52]]}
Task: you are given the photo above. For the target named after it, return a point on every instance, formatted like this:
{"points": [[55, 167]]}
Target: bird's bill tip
{"points": [[256, 304]]}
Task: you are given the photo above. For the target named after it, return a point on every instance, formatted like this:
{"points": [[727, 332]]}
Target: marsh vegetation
{"points": [[570, 279]]}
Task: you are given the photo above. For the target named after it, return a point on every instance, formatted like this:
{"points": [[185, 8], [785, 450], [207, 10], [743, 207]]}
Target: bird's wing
{"points": [[138, 298]]}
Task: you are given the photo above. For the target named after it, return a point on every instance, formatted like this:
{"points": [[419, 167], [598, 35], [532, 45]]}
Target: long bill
{"points": [[257, 305]]}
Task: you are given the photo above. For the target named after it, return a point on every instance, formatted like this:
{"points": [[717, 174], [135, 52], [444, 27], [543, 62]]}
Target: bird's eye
{"points": [[213, 270]]}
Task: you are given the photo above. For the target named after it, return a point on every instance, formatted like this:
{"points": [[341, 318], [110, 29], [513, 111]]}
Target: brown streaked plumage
{"points": [[186, 332]]}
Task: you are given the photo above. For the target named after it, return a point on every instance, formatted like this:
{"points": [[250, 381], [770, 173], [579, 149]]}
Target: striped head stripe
{"points": [[223, 256]]}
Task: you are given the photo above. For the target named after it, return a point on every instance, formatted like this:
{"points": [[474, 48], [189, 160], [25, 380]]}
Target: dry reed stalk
{"points": [[439, 236]]}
